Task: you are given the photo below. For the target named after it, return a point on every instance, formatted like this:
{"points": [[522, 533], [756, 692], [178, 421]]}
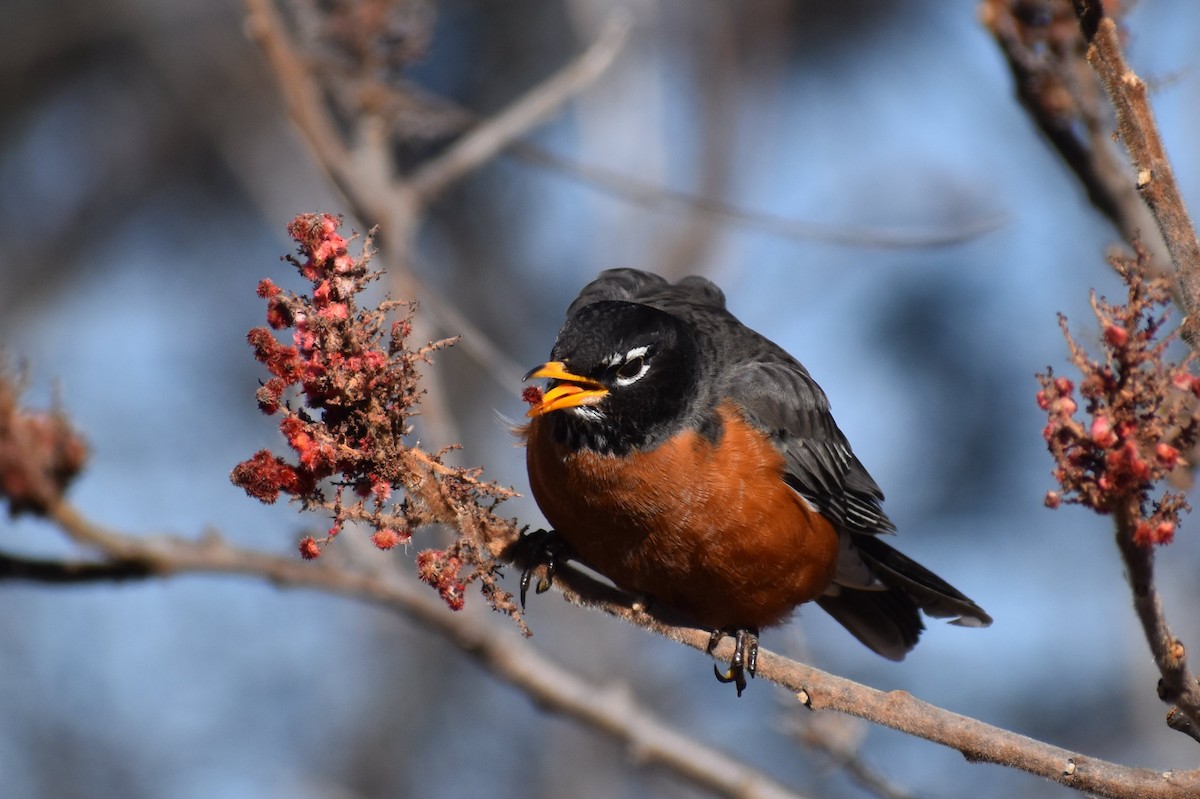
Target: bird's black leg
{"points": [[745, 655], [545, 547]]}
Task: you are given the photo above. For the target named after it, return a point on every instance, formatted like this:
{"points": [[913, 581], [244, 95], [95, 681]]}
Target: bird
{"points": [[695, 463]]}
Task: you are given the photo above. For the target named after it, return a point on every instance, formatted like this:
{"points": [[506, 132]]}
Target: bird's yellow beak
{"points": [[571, 390]]}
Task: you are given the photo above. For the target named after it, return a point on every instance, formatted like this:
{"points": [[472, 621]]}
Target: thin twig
{"points": [[1155, 178], [485, 141], [655, 196], [377, 195], [1059, 93], [1178, 685], [814, 733], [365, 189]]}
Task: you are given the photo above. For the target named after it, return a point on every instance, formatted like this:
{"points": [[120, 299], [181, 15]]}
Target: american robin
{"points": [[694, 462]]}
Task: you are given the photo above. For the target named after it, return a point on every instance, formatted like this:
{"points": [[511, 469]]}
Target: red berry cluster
{"points": [[1142, 412], [40, 453], [531, 395], [356, 388], [441, 569]]}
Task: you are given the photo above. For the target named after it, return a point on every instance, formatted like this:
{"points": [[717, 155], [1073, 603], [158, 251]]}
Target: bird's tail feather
{"points": [[886, 619]]}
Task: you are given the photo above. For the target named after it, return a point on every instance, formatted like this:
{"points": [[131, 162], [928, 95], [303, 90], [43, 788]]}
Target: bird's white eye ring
{"points": [[633, 367]]}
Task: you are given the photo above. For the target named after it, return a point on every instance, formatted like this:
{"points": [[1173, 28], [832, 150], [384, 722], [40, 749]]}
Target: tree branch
{"points": [[503, 653], [1178, 686], [1155, 178], [14, 567], [649, 195], [839, 738], [977, 741], [486, 140], [1144, 204], [1059, 92], [378, 195], [366, 190]]}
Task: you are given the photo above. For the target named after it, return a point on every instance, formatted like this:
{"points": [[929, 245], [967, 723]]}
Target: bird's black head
{"points": [[623, 376]]}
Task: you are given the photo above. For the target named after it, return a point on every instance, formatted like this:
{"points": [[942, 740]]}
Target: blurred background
{"points": [[147, 171]]}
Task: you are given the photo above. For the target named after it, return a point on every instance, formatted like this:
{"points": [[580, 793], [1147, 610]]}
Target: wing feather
{"points": [[778, 395]]}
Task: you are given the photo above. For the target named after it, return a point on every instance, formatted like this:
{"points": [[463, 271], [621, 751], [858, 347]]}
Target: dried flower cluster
{"points": [[40, 453], [1142, 412], [357, 388]]}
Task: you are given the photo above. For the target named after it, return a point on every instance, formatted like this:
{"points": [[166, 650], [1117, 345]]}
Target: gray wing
{"points": [[779, 396], [877, 591]]}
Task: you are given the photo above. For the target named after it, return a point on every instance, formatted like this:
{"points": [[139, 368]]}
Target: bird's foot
{"points": [[745, 655], [545, 547]]}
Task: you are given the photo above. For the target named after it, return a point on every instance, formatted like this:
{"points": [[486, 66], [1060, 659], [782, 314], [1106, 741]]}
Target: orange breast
{"points": [[710, 530]]}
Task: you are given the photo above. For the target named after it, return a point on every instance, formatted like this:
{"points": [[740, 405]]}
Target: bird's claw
{"points": [[545, 549], [745, 656]]}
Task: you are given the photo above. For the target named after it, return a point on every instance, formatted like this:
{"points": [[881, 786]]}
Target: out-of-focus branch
{"points": [[839, 738], [486, 140], [366, 190], [1045, 56], [384, 197], [15, 567], [1155, 178], [639, 192], [379, 196]]}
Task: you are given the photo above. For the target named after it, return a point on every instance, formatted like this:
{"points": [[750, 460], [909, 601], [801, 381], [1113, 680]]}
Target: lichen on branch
{"points": [[1141, 411], [345, 391]]}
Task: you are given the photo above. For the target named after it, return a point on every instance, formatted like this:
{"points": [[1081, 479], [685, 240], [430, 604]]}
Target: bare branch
{"points": [[611, 710], [1155, 178], [1061, 96], [839, 737], [377, 195], [365, 189], [14, 567], [649, 195], [818, 690], [1178, 685], [383, 198], [487, 139]]}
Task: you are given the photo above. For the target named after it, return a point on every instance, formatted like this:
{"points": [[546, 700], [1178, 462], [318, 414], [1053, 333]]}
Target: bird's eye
{"points": [[632, 369]]}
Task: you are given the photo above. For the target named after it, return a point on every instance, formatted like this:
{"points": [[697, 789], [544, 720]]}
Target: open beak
{"points": [[569, 391]]}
